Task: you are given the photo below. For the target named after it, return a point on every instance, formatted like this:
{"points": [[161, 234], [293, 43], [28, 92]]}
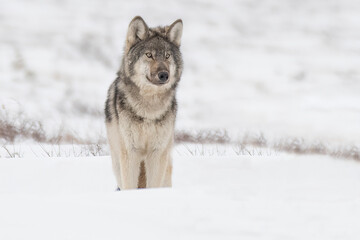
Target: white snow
{"points": [[281, 67], [244, 197]]}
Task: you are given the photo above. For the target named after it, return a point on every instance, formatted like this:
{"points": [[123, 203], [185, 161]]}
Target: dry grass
{"points": [[21, 128], [300, 146], [87, 150], [13, 152], [11, 129], [203, 136]]}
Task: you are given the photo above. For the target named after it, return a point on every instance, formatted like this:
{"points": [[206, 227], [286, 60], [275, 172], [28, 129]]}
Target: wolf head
{"points": [[152, 58]]}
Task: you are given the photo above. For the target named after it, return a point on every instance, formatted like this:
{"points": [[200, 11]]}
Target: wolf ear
{"points": [[174, 32], [138, 30]]}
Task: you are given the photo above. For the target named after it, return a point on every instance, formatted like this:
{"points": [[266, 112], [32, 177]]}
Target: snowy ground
{"points": [[244, 197], [281, 67], [283, 70]]}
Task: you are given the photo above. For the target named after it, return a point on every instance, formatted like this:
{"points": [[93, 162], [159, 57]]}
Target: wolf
{"points": [[141, 106]]}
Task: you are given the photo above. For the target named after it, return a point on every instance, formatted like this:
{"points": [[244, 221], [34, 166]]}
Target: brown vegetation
{"points": [[22, 128]]}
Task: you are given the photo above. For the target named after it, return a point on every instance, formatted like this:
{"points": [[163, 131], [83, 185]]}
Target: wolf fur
{"points": [[141, 106]]}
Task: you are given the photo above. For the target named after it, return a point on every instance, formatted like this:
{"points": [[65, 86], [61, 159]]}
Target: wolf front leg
{"points": [[115, 144], [157, 170], [168, 175], [130, 170], [115, 158]]}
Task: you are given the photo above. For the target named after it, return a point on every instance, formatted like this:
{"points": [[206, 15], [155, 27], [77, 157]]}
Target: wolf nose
{"points": [[163, 76]]}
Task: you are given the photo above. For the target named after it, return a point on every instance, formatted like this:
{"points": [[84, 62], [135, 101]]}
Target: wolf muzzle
{"points": [[163, 77]]}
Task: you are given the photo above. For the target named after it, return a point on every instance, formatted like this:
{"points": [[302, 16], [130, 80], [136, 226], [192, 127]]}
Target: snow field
{"points": [[250, 197]]}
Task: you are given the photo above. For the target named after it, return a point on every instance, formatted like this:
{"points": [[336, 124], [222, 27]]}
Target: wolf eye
{"points": [[149, 55], [167, 55]]}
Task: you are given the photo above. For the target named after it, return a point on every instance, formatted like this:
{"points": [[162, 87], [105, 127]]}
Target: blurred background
{"points": [[276, 68]]}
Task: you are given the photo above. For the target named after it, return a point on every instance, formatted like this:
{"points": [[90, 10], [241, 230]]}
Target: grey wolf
{"points": [[141, 106]]}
